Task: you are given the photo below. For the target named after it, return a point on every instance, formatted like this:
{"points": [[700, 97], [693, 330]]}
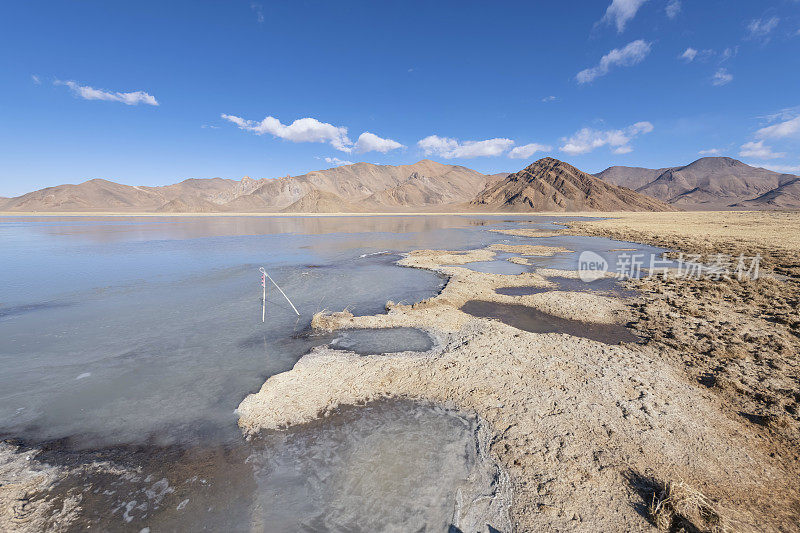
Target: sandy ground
{"points": [[588, 433], [773, 234]]}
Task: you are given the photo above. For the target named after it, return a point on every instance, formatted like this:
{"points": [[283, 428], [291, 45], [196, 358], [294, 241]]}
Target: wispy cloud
{"points": [[629, 55], [759, 151], [688, 55], [620, 12], [761, 28], [587, 139], [728, 53], [788, 169], [452, 148], [549, 99], [258, 9], [90, 93], [721, 77], [786, 128], [35, 79], [369, 142], [335, 161], [312, 130], [673, 8], [710, 151], [527, 150]]}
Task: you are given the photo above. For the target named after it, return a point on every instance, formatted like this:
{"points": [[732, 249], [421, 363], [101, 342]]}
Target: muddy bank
{"points": [[580, 426]]}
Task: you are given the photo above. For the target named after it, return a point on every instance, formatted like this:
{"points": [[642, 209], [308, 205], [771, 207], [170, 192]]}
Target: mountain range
{"points": [[711, 183], [427, 186]]}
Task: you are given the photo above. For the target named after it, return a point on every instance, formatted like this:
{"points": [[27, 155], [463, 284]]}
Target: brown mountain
{"points": [[708, 183], [552, 185], [630, 177], [382, 187], [787, 196], [317, 201], [358, 187], [92, 195], [191, 195]]}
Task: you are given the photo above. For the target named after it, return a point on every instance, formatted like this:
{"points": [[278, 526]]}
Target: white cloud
{"points": [[587, 139], [452, 148], [781, 129], [35, 79], [90, 93], [721, 77], [301, 130], [527, 150], [760, 29], [759, 151], [335, 161], [673, 8], [369, 142], [549, 99], [689, 54], [208, 127], [620, 12], [631, 54], [788, 169], [312, 130], [710, 151]]}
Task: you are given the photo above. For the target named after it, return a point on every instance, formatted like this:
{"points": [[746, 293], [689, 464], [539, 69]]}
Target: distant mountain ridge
{"points": [[428, 186], [711, 183], [357, 187], [552, 185]]}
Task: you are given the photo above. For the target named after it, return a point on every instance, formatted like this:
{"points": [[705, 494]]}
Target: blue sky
{"points": [[152, 93]]}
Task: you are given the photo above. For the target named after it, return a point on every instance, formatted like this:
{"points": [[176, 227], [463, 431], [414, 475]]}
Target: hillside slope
{"points": [[552, 185]]}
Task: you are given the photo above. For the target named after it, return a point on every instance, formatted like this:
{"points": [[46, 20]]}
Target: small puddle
{"points": [[610, 286], [496, 267], [383, 340], [521, 291], [535, 321], [387, 466]]}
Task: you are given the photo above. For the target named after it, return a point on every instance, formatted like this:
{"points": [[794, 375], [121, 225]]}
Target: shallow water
{"points": [[382, 340], [116, 331], [535, 321]]}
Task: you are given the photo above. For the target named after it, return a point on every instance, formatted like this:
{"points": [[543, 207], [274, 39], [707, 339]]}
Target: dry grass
{"points": [[678, 507], [775, 235]]}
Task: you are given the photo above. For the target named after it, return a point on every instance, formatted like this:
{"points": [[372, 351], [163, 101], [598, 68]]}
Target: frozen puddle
{"points": [[383, 340], [387, 466], [535, 321], [611, 286]]}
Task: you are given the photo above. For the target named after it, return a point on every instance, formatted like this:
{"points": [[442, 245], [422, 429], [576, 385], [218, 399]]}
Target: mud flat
{"points": [[590, 434]]}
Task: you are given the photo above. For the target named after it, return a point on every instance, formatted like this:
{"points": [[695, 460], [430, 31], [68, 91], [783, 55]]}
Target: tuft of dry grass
{"points": [[678, 507]]}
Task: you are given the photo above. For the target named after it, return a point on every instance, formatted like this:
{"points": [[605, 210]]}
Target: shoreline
{"points": [[588, 432], [593, 214]]}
